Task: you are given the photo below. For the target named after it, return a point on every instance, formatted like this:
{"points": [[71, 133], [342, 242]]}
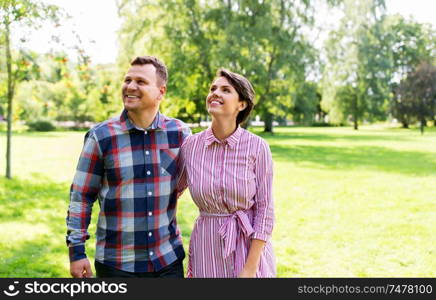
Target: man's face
{"points": [[141, 90]]}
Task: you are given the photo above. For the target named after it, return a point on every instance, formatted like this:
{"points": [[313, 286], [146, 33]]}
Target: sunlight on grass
{"points": [[53, 154], [18, 232]]}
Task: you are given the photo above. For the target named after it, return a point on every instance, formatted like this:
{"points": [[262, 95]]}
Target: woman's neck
{"points": [[222, 129]]}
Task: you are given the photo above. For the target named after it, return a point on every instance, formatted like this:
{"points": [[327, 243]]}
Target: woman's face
{"points": [[223, 100]]}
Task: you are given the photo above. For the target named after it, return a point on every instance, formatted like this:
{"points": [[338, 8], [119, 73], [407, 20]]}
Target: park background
{"points": [[346, 98]]}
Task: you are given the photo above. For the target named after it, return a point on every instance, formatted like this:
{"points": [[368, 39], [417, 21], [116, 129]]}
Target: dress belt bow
{"points": [[235, 232]]}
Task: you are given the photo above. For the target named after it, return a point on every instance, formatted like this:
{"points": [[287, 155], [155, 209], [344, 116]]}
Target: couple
{"points": [[139, 163]]}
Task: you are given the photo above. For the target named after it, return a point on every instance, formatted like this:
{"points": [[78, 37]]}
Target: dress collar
{"points": [[232, 140]]}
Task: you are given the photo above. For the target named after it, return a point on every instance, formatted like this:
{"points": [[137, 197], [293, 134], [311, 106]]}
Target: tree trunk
{"points": [[10, 94], [355, 112], [268, 119], [422, 125], [405, 124]]}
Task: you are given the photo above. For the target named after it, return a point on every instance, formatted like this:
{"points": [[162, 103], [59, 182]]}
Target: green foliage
{"points": [[41, 125], [260, 40], [415, 97], [410, 42], [67, 91], [19, 13], [414, 49], [367, 57], [355, 84]]}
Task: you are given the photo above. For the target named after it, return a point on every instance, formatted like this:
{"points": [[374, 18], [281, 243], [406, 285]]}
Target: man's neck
{"points": [[142, 119]]}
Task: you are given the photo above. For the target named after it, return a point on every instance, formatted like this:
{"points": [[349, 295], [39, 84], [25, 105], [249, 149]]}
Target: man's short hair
{"points": [[161, 69]]}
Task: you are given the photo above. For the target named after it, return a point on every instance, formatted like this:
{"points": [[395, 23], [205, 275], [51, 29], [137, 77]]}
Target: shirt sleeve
{"points": [[182, 176], [83, 193], [263, 202]]}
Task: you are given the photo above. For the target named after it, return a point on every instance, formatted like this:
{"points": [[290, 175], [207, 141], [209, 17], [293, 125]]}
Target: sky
{"points": [[96, 23]]}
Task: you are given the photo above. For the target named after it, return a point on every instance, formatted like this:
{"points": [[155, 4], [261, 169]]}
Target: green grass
{"points": [[347, 203]]}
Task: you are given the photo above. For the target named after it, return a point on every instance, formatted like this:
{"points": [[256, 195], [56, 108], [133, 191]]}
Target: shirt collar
{"points": [[232, 140], [126, 124]]}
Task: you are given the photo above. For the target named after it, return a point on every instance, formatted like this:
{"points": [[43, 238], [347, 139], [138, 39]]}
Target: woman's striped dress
{"points": [[230, 182]]}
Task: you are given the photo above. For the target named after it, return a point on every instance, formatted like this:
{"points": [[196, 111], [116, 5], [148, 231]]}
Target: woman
{"points": [[229, 174]]}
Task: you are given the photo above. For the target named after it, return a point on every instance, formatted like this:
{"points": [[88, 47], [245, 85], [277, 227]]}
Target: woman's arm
{"points": [[252, 264], [263, 210]]}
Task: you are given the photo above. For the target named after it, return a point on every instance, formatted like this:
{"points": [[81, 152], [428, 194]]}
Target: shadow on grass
{"points": [[34, 259], [333, 136], [18, 197], [27, 206], [371, 157]]}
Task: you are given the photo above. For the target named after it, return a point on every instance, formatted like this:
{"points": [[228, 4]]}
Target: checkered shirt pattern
{"points": [[133, 174]]}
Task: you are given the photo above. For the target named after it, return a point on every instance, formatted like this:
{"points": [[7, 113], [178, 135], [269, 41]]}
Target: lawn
{"points": [[348, 203]]}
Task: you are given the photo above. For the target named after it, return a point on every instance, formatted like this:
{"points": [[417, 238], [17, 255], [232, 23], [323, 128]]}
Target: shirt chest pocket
{"points": [[168, 161]]}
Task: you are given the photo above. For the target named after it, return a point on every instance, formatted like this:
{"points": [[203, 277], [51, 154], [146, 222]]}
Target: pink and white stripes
{"points": [[231, 183]]}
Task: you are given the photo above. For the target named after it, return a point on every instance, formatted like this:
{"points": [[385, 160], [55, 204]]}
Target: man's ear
{"points": [[242, 105], [162, 90]]}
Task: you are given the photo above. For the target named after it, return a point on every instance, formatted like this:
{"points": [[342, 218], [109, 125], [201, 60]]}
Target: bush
{"points": [[321, 124], [41, 125]]}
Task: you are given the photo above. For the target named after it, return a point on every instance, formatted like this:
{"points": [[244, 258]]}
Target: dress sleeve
{"points": [[83, 193], [263, 202]]}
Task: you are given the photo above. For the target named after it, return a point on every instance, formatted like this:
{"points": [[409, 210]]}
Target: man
{"points": [[130, 163]]}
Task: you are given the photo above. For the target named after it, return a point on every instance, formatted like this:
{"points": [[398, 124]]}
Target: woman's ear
{"points": [[242, 105]]}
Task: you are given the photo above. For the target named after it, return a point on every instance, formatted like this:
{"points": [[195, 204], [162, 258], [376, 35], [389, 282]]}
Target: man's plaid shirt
{"points": [[132, 172]]}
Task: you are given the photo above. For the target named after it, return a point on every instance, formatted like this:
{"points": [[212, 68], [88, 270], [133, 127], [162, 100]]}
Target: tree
{"points": [[417, 94], [355, 81], [412, 43], [18, 13], [261, 40]]}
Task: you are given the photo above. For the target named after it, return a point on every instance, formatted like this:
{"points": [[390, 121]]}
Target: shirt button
{"points": [[148, 172], [145, 131], [150, 234], [147, 153], [151, 253], [150, 213], [149, 193]]}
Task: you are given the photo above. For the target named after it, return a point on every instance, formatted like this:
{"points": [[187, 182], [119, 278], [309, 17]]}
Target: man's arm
{"points": [[83, 193], [182, 179]]}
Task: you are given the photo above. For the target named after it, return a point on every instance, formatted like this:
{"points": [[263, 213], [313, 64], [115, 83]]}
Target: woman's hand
{"points": [[248, 272]]}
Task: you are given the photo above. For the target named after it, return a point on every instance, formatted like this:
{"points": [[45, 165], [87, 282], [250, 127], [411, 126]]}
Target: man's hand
{"points": [[81, 268]]}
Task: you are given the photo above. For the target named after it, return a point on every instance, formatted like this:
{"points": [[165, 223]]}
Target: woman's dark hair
{"points": [[244, 89], [161, 69]]}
